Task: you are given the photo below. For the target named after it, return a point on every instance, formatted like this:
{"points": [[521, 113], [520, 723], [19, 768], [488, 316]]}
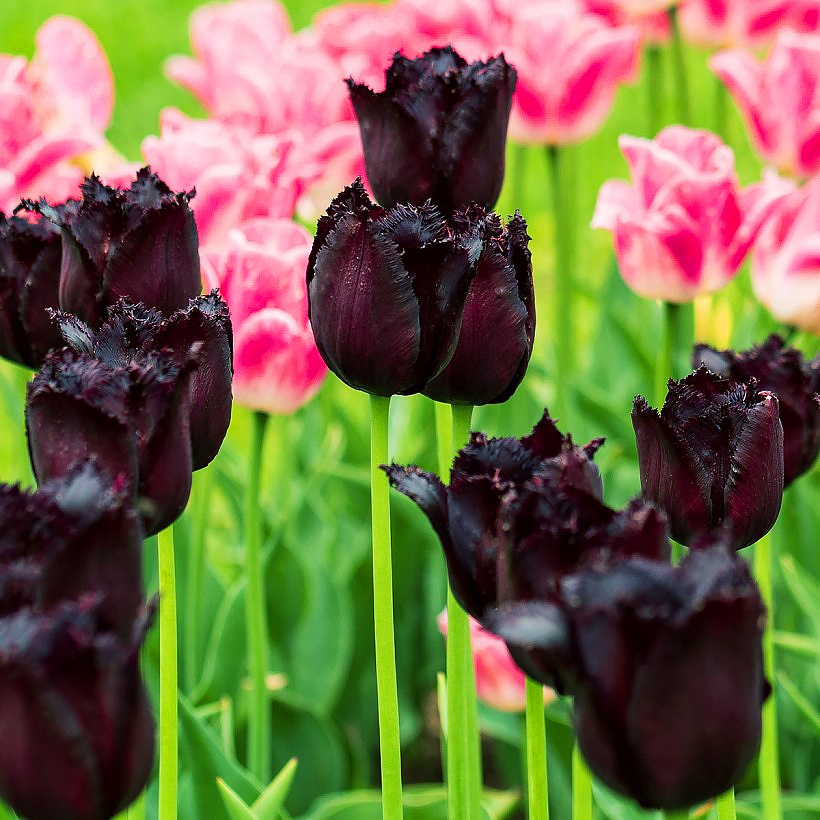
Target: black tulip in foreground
{"points": [[465, 514], [712, 458], [498, 326], [386, 291], [75, 721], [796, 383], [139, 243], [438, 131], [29, 280]]}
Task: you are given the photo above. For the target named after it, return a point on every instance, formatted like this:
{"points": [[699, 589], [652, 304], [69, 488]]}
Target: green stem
{"points": [[721, 109], [677, 815], [458, 753], [518, 175], [168, 685], [679, 64], [768, 761], [388, 702], [676, 342], [581, 787], [537, 783], [462, 418], [136, 811], [563, 288], [195, 579], [726, 806], [444, 448], [654, 87], [259, 713]]}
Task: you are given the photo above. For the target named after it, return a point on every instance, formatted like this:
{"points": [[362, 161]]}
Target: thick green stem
{"points": [[721, 109], [259, 713], [444, 432], [195, 579], [563, 287], [537, 783], [679, 62], [458, 753], [677, 815], [388, 702], [581, 787], [676, 343], [768, 761], [168, 719], [654, 88], [726, 806]]}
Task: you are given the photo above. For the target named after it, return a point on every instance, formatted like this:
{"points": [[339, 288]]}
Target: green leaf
{"points": [[803, 704], [801, 644], [235, 806], [804, 590], [268, 805], [207, 761]]}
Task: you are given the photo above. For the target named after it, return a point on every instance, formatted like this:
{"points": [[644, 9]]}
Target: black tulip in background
{"points": [[498, 326], [438, 131], [386, 291], [76, 724], [796, 383], [465, 514], [30, 255], [139, 243], [712, 458]]}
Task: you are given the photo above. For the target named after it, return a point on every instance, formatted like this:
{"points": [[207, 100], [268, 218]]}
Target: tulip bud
{"points": [[139, 243], [464, 515], [77, 729], [796, 383], [498, 326], [386, 292], [438, 131], [29, 278], [713, 457]]}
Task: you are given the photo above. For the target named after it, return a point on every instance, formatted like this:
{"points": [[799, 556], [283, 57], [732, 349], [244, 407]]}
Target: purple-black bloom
{"points": [[29, 280], [386, 291], [713, 457], [783, 371], [465, 514], [498, 325], [77, 728], [139, 243], [438, 131]]}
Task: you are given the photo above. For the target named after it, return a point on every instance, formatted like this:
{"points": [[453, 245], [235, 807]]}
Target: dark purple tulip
{"points": [[77, 729], [134, 419], [29, 279], [465, 514], [139, 243], [77, 534], [498, 326], [438, 131], [796, 383], [386, 291], [713, 457]]}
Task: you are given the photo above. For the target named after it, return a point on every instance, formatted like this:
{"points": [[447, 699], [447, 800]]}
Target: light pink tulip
{"points": [[780, 99], [734, 23], [683, 227], [498, 681], [569, 67], [261, 274], [786, 259]]}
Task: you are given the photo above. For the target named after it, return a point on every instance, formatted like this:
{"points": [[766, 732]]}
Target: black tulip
{"points": [[77, 728], [796, 383], [465, 514], [438, 131], [713, 457], [30, 254], [139, 243], [386, 291], [498, 326]]}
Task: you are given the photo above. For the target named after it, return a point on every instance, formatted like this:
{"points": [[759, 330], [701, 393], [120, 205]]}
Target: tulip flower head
{"points": [[786, 259], [30, 253], [438, 131], [465, 514], [684, 226], [796, 383], [712, 458], [735, 23], [780, 99]]}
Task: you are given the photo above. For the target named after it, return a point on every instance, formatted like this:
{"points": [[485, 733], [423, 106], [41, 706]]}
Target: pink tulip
{"points": [[499, 682], [780, 99], [684, 226], [261, 274], [569, 66], [734, 23], [651, 17], [786, 259]]}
